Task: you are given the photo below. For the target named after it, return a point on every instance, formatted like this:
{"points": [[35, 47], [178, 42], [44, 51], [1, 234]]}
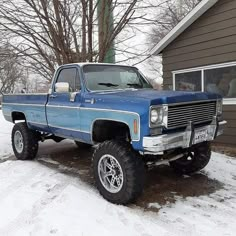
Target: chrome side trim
{"points": [[23, 104], [37, 123], [103, 109], [58, 106], [70, 107], [25, 94], [60, 127], [94, 109]]}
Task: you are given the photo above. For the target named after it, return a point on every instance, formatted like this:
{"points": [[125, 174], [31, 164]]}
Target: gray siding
{"points": [[209, 40], [229, 136]]}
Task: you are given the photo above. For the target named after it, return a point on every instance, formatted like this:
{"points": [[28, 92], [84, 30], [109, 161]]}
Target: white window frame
{"points": [[227, 101]]}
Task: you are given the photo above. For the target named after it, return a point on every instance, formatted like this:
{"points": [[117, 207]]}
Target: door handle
{"points": [[53, 96]]}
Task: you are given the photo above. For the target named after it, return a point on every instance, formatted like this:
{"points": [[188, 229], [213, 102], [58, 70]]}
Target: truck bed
{"points": [[31, 105]]}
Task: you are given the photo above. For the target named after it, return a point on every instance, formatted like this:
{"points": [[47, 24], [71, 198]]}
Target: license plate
{"points": [[200, 136]]}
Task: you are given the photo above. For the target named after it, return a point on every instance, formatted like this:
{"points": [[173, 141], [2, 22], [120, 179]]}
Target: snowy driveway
{"points": [[54, 195]]}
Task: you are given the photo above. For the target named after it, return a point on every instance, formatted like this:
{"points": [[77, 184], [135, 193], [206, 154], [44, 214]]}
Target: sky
{"points": [[139, 44]]}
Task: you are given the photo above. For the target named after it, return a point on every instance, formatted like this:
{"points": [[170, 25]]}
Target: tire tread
{"points": [[30, 142], [134, 171], [202, 158]]}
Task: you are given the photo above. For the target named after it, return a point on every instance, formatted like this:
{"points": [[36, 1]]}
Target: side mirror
{"points": [[62, 87]]}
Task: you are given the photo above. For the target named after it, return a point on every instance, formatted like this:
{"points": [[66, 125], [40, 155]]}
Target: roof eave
{"points": [[199, 10]]}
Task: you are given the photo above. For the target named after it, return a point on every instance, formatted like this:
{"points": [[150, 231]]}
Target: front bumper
{"points": [[183, 139]]}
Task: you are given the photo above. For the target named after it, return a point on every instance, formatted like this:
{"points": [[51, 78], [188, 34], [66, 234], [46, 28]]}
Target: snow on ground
{"points": [[37, 200]]}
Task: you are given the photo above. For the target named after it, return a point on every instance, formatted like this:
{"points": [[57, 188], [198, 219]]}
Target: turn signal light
{"points": [[135, 126]]}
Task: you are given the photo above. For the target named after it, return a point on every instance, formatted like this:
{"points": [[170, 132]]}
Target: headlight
{"points": [[154, 116], [219, 107], [157, 115]]}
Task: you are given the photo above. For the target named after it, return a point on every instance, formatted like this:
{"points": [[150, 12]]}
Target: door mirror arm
{"points": [[73, 96]]}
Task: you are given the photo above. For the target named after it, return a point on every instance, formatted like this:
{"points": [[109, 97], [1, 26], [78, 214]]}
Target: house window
{"points": [[220, 79], [190, 81]]}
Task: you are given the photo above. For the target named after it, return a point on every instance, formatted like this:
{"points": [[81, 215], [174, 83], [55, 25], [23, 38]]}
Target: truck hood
{"points": [[157, 97]]}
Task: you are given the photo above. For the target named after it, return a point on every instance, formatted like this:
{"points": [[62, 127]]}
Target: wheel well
{"points": [[107, 130], [18, 116]]}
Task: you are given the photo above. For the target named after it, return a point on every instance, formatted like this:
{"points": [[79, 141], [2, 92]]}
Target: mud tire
{"points": [[200, 155], [29, 142], [132, 167]]}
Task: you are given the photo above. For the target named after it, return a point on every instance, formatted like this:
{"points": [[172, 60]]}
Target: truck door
{"points": [[62, 110]]}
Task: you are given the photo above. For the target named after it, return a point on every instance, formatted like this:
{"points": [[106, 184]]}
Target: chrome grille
{"points": [[180, 115]]}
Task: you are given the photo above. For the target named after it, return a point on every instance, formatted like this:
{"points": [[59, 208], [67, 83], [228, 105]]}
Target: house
{"points": [[199, 54]]}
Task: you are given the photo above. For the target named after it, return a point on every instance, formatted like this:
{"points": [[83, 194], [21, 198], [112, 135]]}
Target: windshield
{"points": [[109, 77]]}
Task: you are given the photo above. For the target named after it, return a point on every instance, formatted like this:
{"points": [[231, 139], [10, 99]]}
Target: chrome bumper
{"points": [[183, 139]]}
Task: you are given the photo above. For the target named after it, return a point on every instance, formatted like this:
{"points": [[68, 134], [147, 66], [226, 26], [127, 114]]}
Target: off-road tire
{"points": [[132, 167], [30, 142], [82, 145], [201, 154]]}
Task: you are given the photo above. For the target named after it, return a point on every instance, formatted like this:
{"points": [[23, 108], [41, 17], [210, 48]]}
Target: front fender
{"points": [[89, 116]]}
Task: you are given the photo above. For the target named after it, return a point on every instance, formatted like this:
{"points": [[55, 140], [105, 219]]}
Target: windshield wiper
{"points": [[135, 85], [109, 84]]}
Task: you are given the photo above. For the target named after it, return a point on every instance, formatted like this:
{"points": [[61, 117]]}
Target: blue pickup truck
{"points": [[114, 108]]}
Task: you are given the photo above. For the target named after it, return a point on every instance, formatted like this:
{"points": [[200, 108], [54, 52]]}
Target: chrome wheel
{"points": [[18, 142], [110, 173]]}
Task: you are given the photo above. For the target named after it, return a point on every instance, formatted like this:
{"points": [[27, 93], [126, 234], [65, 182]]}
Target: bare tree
{"points": [[11, 73], [169, 15], [54, 32]]}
